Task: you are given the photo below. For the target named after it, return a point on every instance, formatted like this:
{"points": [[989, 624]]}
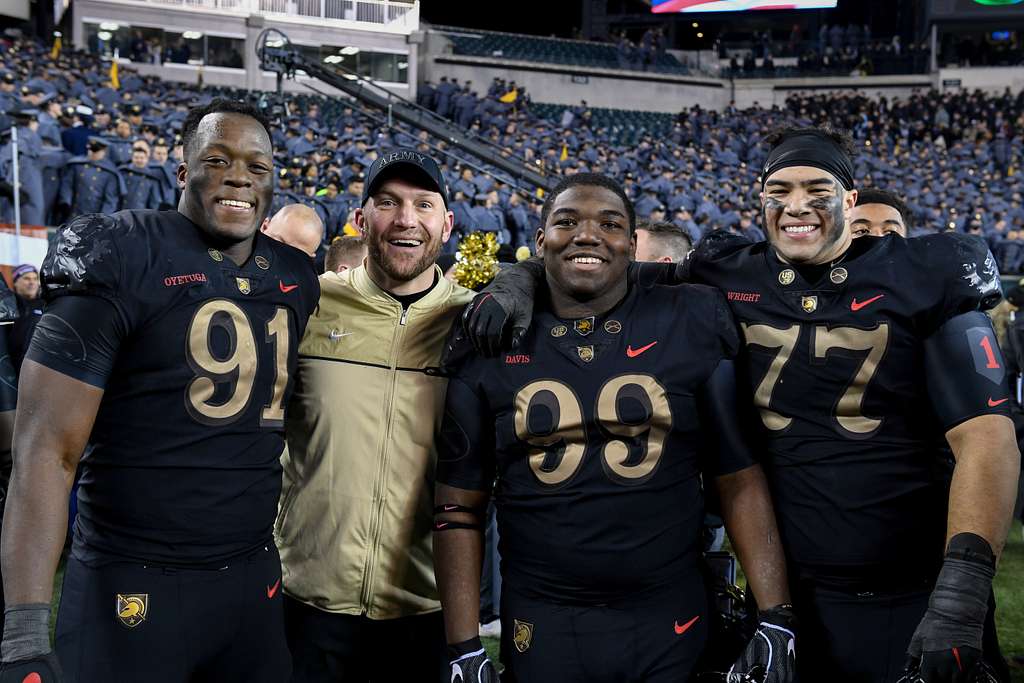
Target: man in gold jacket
{"points": [[354, 526]]}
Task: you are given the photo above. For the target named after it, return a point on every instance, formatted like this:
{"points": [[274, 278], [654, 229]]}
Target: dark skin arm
{"points": [[458, 559], [987, 467], [750, 522], [54, 420]]}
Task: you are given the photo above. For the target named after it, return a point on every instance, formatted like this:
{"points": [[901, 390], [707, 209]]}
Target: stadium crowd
{"points": [[93, 138], [87, 146]]}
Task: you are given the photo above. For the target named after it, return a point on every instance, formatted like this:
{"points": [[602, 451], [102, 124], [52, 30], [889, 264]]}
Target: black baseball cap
{"points": [[409, 162]]}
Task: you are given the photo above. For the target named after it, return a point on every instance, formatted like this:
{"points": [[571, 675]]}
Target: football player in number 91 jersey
{"points": [[863, 356], [163, 359], [597, 430]]}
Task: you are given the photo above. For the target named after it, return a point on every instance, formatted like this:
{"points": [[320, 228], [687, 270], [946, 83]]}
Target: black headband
{"points": [[810, 149]]}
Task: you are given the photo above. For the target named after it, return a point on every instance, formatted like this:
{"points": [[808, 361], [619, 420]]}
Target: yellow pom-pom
{"points": [[523, 253], [476, 261]]}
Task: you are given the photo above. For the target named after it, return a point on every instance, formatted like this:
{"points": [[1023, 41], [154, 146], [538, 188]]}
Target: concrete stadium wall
{"points": [[248, 27], [563, 84], [616, 89], [992, 79], [768, 92]]}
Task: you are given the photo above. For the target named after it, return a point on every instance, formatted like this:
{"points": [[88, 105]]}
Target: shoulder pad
{"points": [[83, 256], [966, 267]]}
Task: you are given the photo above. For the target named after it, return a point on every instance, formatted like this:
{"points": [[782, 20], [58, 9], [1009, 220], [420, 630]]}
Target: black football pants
{"points": [[848, 637], [129, 622], [346, 648], [654, 640]]}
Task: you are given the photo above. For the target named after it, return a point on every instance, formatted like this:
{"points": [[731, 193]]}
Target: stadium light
{"points": [[700, 35], [333, 59], [108, 26], [104, 35], [695, 24], [350, 50], [192, 35]]}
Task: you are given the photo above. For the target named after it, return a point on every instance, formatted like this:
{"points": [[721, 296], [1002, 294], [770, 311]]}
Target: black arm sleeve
{"points": [[649, 273], [79, 336], [724, 449], [8, 375], [465, 446], [965, 370]]}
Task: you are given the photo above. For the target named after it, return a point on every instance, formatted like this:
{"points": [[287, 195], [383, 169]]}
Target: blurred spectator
{"points": [[91, 184], [30, 170], [142, 187], [661, 242], [344, 253], [296, 225], [30, 308]]}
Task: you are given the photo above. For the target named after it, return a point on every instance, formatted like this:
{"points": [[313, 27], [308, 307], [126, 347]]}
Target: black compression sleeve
{"points": [[725, 449], [79, 336], [8, 375], [965, 370], [647, 273]]}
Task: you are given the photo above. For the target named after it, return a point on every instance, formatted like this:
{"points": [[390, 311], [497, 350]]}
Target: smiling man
{"points": [[163, 360], [354, 526], [598, 429], [861, 355]]}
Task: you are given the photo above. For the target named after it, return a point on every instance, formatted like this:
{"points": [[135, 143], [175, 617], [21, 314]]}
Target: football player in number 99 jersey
{"points": [[597, 430], [164, 360], [863, 354]]}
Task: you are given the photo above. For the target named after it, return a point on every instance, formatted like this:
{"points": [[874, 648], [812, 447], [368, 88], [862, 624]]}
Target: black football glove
{"points": [[469, 663], [499, 316], [946, 647], [45, 667], [770, 656]]}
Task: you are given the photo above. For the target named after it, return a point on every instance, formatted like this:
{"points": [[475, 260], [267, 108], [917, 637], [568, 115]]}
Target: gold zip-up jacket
{"points": [[354, 525]]}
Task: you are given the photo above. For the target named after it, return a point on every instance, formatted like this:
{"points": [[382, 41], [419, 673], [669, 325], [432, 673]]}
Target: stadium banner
{"points": [[30, 247], [666, 6]]}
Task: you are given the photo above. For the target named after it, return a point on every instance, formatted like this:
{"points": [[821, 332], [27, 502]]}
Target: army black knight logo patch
{"points": [[132, 608]]}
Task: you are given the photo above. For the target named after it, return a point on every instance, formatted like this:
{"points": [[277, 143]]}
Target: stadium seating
{"points": [[512, 46]]}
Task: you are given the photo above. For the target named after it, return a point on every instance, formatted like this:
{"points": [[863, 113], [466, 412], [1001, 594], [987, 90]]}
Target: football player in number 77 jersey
{"points": [[863, 355], [598, 430], [164, 360]]}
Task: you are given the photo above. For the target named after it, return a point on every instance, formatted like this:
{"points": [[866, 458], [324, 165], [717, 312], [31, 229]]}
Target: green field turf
{"points": [[1009, 587]]}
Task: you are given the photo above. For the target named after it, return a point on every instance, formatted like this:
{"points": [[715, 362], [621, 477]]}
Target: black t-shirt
{"points": [[853, 449], [196, 357], [407, 300], [593, 432]]}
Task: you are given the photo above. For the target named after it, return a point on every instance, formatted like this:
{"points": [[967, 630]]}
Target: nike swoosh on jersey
{"points": [[633, 353], [857, 305], [335, 335], [993, 404], [680, 630], [272, 590], [286, 288]]}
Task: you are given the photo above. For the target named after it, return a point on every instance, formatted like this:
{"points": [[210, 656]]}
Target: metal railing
{"points": [[393, 13]]}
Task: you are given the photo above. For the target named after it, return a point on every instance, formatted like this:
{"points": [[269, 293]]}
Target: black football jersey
{"points": [[182, 466], [592, 431], [854, 451]]}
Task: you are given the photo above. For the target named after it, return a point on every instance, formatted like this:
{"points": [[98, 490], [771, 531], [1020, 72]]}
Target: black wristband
{"points": [[971, 547], [465, 647], [780, 615]]}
